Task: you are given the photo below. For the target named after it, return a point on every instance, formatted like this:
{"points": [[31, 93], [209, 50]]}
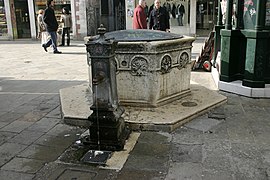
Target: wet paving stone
{"points": [[23, 165], [186, 153], [16, 175]]}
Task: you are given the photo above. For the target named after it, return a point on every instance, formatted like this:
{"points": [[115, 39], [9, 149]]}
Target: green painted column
{"points": [[228, 24], [217, 41], [256, 57], [219, 22], [233, 47], [261, 11], [239, 13], [257, 51]]}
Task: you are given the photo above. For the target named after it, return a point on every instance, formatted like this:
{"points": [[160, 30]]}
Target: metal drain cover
{"points": [[189, 104], [96, 157]]}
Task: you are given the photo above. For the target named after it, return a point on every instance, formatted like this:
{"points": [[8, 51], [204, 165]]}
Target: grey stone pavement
{"points": [[231, 142]]}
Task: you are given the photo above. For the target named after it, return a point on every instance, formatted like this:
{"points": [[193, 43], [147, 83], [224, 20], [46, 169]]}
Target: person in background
{"points": [[67, 24], [51, 27], [139, 16], [42, 34], [159, 18]]}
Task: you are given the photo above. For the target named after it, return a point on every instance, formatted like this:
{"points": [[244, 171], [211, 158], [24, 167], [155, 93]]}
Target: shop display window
{"points": [[3, 20], [59, 4]]}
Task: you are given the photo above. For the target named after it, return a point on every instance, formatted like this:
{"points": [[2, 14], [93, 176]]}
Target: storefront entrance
{"points": [[206, 16], [22, 19]]}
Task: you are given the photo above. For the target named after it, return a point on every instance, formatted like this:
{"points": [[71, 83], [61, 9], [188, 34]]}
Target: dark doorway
{"points": [[22, 18], [120, 15], [206, 15], [110, 13]]}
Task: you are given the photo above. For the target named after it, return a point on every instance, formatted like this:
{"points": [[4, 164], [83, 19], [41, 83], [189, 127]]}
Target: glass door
{"points": [[206, 15], [22, 18]]}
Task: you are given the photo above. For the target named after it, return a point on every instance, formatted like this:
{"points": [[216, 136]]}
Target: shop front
{"points": [[182, 16], [206, 14], [187, 17], [22, 19], [18, 17], [5, 22], [58, 6]]}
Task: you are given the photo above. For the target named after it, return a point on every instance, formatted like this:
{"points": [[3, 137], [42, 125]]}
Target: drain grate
{"points": [[189, 104], [96, 157]]}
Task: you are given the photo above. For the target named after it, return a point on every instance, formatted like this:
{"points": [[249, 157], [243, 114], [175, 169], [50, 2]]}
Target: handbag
{"points": [[42, 27]]}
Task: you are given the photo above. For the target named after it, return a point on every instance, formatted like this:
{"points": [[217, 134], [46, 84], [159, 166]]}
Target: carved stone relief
{"points": [[139, 66], [183, 60], [166, 64]]}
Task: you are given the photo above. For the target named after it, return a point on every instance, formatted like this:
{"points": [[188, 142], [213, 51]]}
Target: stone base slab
{"points": [[76, 102]]}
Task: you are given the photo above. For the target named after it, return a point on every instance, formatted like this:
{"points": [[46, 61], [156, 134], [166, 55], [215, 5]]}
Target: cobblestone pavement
{"points": [[229, 143]]}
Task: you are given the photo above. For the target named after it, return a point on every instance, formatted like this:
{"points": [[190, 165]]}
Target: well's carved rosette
{"points": [[183, 60], [166, 64], [139, 66]]}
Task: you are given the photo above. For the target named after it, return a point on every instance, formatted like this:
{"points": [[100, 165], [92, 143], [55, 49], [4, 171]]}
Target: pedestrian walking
{"points": [[67, 24], [42, 34], [139, 17], [159, 18], [51, 27]]}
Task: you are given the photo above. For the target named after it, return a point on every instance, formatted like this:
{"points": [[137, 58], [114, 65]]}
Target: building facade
{"points": [[18, 17]]}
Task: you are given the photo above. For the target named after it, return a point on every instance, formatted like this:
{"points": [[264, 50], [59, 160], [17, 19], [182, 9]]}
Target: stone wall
{"points": [[79, 19]]}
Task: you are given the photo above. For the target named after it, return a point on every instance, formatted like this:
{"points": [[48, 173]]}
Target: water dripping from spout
{"points": [[98, 138]]}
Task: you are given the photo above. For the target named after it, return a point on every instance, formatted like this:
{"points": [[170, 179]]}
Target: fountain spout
{"points": [[99, 78], [108, 129]]}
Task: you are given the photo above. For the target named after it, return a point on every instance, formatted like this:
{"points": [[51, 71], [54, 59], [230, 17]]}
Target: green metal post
{"points": [[260, 19], [232, 50], [239, 14], [219, 23], [257, 52], [228, 24], [218, 28]]}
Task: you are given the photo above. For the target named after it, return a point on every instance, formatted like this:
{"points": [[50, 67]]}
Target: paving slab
{"points": [[131, 174], [23, 165], [43, 125], [11, 149], [220, 175], [11, 175], [185, 135], [76, 174], [185, 170], [10, 117], [26, 137], [17, 126], [5, 136], [186, 153], [39, 152], [202, 124]]}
